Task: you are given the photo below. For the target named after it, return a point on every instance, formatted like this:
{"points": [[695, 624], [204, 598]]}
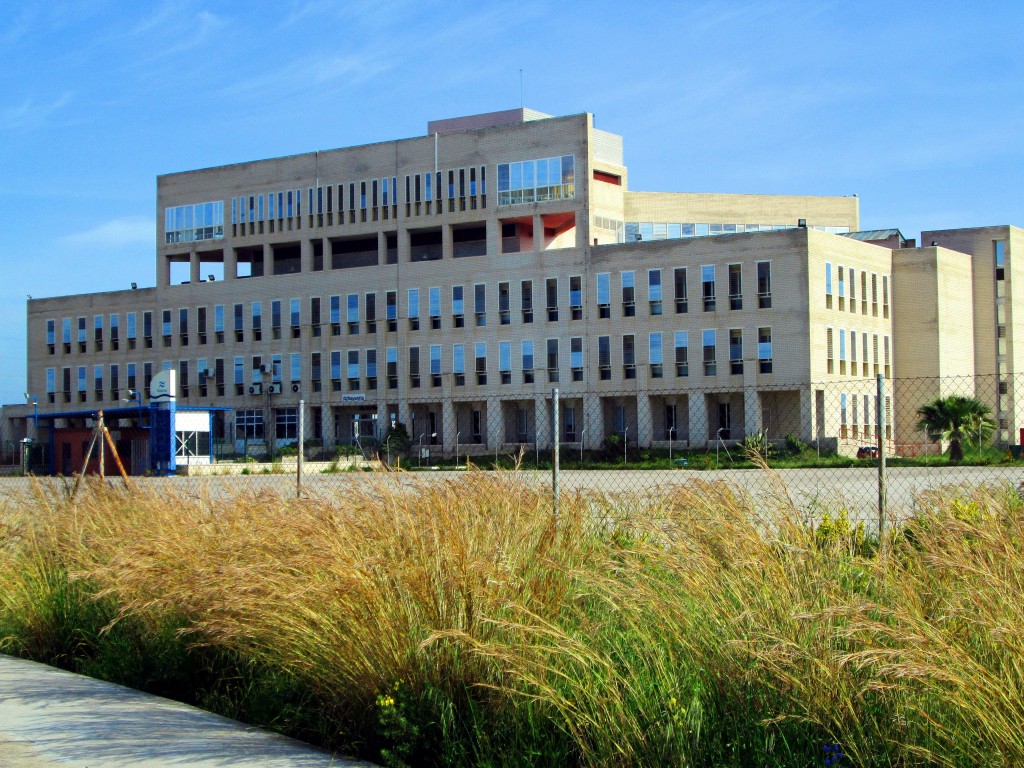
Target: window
{"points": [[552, 350], [434, 306], [414, 367], [458, 307], [576, 357], [391, 310], [527, 350], [435, 365], [679, 283], [885, 359], [199, 221], [505, 361], [371, 369], [551, 291], [459, 363], [504, 316], [295, 316], [628, 356], [764, 349], [654, 355], [97, 332], [710, 361], [840, 272], [843, 419], [864, 357], [735, 351], [576, 297], [682, 344], [414, 309], [874, 294], [335, 315], [249, 424], [336, 371], [295, 367], [735, 286], [828, 350], [764, 284], [707, 279], [391, 366], [275, 319], [352, 369], [533, 181], [371, 312], [527, 300], [480, 304], [131, 327], [352, 313], [604, 357], [828, 285], [165, 323], [852, 282], [286, 423], [885, 296], [654, 291], [481, 363], [863, 293], [628, 294], [51, 333], [147, 329], [842, 350], [257, 320], [604, 292]]}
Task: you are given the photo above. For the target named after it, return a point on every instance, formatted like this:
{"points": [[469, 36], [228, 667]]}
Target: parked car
{"points": [[867, 452]]}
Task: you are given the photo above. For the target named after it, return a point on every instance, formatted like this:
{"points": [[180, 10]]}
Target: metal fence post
{"points": [[302, 440], [554, 449], [880, 420]]}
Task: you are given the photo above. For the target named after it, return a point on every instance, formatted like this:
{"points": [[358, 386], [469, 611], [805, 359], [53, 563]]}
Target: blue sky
{"points": [[918, 108]]}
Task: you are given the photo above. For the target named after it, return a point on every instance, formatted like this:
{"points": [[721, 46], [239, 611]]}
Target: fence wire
{"points": [[846, 445]]}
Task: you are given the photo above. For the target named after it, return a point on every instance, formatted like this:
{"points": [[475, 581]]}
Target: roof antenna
{"points": [[520, 87]]}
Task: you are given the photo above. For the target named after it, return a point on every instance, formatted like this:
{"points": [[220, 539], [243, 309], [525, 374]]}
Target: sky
{"points": [[917, 108]]}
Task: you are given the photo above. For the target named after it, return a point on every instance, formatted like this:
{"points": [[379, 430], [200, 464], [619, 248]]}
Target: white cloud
{"points": [[126, 232], [30, 114]]}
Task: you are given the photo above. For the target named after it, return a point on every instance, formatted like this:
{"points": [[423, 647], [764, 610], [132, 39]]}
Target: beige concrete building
{"points": [[449, 281]]}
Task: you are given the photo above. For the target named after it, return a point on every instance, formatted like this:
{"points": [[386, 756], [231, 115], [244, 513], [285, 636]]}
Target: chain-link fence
{"points": [[863, 445]]}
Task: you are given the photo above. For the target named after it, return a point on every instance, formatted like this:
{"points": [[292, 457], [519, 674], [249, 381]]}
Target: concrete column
{"points": [[492, 417], [230, 264], [542, 421], [306, 256], [448, 426], [163, 272], [326, 417], [592, 422], [538, 233], [698, 414], [447, 247], [644, 421], [268, 260], [752, 421], [194, 267], [493, 236], [403, 246], [382, 248], [808, 414]]}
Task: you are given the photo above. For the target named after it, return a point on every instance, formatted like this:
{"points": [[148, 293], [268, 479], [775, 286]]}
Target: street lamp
{"points": [[583, 434], [35, 409], [457, 436], [625, 444], [671, 432]]}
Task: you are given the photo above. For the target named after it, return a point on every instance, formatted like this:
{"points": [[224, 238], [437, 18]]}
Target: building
{"points": [[449, 281]]}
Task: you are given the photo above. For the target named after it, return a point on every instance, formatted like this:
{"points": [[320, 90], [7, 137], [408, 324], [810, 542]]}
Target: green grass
{"points": [[455, 624]]}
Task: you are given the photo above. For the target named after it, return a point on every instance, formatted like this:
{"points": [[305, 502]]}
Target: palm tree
{"points": [[957, 419]]}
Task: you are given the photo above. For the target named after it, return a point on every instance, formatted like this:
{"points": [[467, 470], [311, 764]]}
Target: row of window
{"points": [[360, 311], [359, 367], [852, 407], [189, 223], [848, 353], [846, 282], [631, 231]]}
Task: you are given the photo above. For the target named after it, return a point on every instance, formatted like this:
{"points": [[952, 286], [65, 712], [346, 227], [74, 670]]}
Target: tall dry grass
{"points": [[458, 623]]}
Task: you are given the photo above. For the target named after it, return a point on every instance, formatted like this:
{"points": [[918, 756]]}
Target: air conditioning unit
{"points": [[255, 389], [296, 387], [210, 373], [274, 389]]}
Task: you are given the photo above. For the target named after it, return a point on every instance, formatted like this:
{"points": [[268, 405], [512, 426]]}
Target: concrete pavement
{"points": [[49, 717]]}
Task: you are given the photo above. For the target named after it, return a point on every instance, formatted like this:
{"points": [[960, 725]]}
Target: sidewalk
{"points": [[49, 717]]}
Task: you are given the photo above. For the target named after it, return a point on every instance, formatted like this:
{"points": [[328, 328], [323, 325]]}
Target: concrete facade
{"points": [[561, 254]]}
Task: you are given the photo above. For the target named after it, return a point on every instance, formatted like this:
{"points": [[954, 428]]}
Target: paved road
{"points": [[49, 717], [856, 488]]}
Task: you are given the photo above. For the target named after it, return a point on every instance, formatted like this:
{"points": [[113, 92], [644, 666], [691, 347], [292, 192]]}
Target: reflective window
{"points": [[530, 181], [201, 221]]}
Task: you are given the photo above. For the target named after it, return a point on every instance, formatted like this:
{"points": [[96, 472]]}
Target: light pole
{"points": [[35, 410], [625, 444], [671, 432], [458, 434], [583, 434]]}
